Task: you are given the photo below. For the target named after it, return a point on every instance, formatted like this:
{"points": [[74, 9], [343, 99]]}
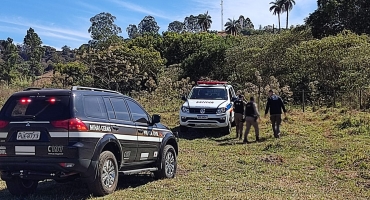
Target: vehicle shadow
{"points": [[192, 133], [77, 189]]}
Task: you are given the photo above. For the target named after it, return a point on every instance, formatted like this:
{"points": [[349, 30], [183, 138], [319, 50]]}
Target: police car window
{"points": [[209, 93], [120, 109], [43, 108], [109, 107], [94, 107], [230, 94], [138, 114]]}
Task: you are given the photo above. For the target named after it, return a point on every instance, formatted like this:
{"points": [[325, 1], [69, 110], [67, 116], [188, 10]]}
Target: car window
{"points": [[209, 93], [109, 107], [94, 107], [45, 108], [230, 94], [138, 114], [120, 109]]}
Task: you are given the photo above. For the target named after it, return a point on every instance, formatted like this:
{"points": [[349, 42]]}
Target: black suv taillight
{"points": [[74, 124], [3, 123]]}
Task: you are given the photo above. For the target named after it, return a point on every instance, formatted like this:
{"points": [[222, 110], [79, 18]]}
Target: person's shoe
{"points": [[257, 139], [245, 141], [277, 135]]}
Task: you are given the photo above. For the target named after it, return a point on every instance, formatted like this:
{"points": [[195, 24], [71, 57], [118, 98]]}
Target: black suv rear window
{"points": [[45, 108]]}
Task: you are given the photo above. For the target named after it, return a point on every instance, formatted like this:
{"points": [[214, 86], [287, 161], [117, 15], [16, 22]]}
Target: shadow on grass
{"points": [[239, 142], [77, 189], [193, 133]]}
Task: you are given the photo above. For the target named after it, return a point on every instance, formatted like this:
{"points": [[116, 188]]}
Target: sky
{"points": [[66, 22]]}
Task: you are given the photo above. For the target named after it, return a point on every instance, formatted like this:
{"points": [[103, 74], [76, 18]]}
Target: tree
{"points": [[148, 25], [276, 9], [132, 31], [10, 55], [102, 27], [176, 26], [204, 21], [286, 6], [32, 43], [232, 27], [333, 16], [191, 24]]}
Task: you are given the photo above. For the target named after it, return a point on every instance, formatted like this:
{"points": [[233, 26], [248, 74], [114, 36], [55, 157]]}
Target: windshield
{"points": [[208, 93], [45, 108]]}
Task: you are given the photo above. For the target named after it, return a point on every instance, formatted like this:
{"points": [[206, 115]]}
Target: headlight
{"points": [[221, 110], [185, 109]]}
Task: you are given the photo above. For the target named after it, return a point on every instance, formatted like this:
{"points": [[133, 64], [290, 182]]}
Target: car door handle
{"points": [[115, 127], [140, 130]]}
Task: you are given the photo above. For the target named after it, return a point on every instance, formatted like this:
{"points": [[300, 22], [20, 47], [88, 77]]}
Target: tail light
{"points": [[3, 124], [74, 124]]}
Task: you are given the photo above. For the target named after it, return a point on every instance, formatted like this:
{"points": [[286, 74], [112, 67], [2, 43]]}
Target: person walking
{"points": [[239, 106], [251, 116], [275, 104]]}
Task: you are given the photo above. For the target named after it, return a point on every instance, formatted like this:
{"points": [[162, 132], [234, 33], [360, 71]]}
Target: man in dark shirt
{"points": [[239, 107], [275, 104], [251, 116]]}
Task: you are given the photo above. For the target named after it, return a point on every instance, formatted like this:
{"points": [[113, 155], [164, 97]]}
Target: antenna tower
{"points": [[222, 15]]}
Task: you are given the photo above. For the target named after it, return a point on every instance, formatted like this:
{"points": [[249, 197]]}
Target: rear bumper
{"points": [[34, 168]]}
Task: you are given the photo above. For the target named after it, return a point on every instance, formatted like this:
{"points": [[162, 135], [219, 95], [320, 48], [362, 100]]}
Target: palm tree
{"points": [[204, 21], [286, 6], [232, 27], [277, 9], [241, 21]]}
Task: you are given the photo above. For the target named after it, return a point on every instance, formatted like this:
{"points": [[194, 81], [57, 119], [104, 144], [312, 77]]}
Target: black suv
{"points": [[86, 133]]}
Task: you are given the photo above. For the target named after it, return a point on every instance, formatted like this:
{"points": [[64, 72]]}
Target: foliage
{"points": [[148, 25], [102, 27]]}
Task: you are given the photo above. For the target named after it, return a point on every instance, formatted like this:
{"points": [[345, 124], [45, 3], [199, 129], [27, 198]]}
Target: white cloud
{"points": [[140, 9], [56, 30]]}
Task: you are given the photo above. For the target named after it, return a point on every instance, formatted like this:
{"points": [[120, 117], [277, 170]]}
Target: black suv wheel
{"points": [[168, 163], [106, 175], [21, 187]]}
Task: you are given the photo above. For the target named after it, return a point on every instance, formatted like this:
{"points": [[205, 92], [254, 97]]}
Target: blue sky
{"points": [[65, 22]]}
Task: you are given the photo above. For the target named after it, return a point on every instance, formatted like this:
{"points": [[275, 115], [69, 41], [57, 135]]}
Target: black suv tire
{"points": [[168, 163], [106, 175], [21, 187]]}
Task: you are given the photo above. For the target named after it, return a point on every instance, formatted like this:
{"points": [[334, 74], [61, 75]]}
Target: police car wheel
{"points": [[106, 175], [168, 163], [21, 187], [227, 129]]}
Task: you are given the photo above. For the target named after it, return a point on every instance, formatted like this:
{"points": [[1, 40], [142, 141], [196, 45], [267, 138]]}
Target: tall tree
{"points": [[276, 9], [32, 43], [148, 25], [10, 55], [176, 26], [232, 27], [132, 31], [191, 24], [287, 6], [103, 27], [204, 21]]}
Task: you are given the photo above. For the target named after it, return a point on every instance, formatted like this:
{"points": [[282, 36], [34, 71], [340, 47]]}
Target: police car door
{"points": [[122, 127], [148, 139]]}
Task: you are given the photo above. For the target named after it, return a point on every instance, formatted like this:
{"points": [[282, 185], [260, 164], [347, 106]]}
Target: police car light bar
{"points": [[212, 82]]}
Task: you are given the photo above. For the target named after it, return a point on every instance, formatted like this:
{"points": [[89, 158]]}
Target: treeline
{"points": [[167, 64]]}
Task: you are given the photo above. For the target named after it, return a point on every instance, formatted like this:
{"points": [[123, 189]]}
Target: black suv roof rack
{"points": [[93, 89]]}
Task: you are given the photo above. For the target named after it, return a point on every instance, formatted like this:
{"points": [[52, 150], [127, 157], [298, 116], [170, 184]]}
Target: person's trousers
{"points": [[251, 121], [275, 122], [239, 124]]}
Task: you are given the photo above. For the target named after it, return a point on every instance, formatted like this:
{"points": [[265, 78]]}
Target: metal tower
{"points": [[222, 15]]}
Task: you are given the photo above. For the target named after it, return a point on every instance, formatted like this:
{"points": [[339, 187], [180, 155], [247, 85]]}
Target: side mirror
{"points": [[156, 119], [233, 99], [183, 98]]}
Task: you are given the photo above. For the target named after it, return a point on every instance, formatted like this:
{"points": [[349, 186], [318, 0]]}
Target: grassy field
{"points": [[321, 155]]}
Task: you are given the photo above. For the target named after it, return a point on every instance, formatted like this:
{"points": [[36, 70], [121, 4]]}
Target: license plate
{"points": [[202, 116], [28, 135]]}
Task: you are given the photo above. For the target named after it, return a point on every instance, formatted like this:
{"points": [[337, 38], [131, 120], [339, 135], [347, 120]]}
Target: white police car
{"points": [[209, 105]]}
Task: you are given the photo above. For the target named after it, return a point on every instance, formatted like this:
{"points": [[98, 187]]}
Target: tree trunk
{"points": [[287, 18], [279, 21]]}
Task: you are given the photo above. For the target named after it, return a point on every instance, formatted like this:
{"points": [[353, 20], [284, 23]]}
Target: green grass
{"points": [[321, 155]]}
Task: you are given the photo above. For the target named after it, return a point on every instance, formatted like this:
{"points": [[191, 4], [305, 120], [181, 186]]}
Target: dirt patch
{"points": [[273, 159]]}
